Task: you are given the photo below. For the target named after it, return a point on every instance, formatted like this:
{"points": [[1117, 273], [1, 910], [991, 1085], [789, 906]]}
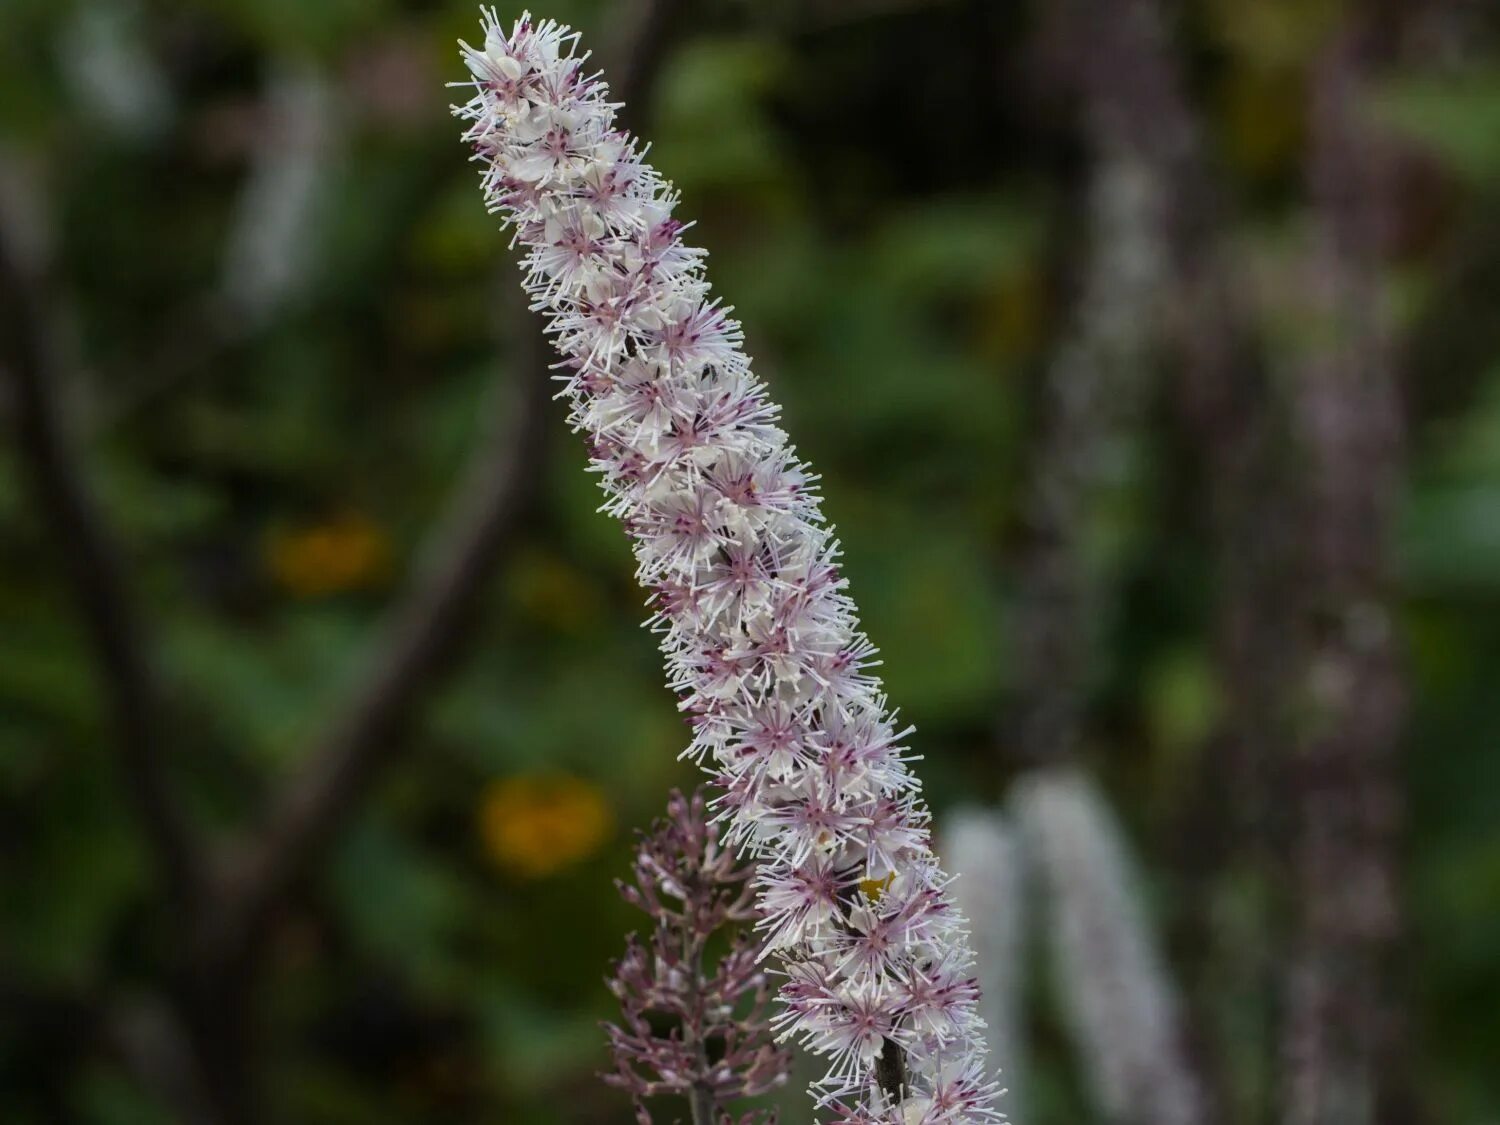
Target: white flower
{"points": [[984, 851], [762, 643], [1118, 998], [853, 1028]]}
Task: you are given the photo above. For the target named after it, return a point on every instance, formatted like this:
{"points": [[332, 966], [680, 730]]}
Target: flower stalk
{"points": [[762, 642]]}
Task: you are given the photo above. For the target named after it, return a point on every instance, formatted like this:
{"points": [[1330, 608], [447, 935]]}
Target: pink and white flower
{"points": [[761, 639]]}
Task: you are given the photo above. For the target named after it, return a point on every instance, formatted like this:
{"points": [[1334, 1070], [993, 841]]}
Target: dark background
{"points": [[1155, 382]]}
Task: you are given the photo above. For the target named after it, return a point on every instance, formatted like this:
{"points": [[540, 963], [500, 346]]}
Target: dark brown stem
{"points": [[890, 1071], [700, 1094], [31, 356]]}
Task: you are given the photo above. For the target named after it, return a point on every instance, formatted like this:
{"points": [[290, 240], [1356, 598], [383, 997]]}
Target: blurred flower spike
{"points": [[762, 642], [346, 552], [536, 826]]}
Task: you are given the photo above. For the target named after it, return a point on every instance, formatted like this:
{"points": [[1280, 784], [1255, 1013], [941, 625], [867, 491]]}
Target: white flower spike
{"points": [[761, 640]]}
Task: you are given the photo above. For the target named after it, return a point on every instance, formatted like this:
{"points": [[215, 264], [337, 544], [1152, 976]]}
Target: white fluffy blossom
{"points": [[983, 850], [761, 640], [1118, 997]]}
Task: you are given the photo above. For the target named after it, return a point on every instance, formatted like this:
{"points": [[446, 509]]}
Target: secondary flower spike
{"points": [[761, 640], [715, 1047]]}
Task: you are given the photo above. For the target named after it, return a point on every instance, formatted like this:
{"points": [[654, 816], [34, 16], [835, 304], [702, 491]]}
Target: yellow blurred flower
{"points": [[1265, 119], [537, 825], [1275, 34], [1271, 45], [347, 552]]}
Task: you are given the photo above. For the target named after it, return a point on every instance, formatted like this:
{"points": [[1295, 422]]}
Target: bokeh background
{"points": [[1150, 355]]}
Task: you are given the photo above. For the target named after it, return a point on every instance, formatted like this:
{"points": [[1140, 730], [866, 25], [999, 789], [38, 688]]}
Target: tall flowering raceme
{"points": [[762, 643]]}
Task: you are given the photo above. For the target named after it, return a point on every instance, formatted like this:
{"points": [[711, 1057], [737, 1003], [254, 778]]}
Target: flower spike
{"points": [[761, 639]]}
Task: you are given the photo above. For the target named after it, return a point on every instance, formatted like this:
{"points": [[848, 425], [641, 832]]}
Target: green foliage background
{"points": [[892, 220]]}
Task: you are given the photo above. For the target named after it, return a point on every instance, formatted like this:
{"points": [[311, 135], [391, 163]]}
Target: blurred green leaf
{"points": [[1457, 118], [403, 906]]}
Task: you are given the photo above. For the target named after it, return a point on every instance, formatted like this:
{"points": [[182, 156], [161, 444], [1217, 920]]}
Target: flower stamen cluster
{"points": [[762, 643]]}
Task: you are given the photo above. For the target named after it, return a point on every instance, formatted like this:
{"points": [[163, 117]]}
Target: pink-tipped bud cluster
{"points": [[690, 1028], [762, 642]]}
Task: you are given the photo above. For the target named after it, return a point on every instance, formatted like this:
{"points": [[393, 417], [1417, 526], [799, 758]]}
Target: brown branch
{"points": [[31, 356], [647, 37], [417, 638]]}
